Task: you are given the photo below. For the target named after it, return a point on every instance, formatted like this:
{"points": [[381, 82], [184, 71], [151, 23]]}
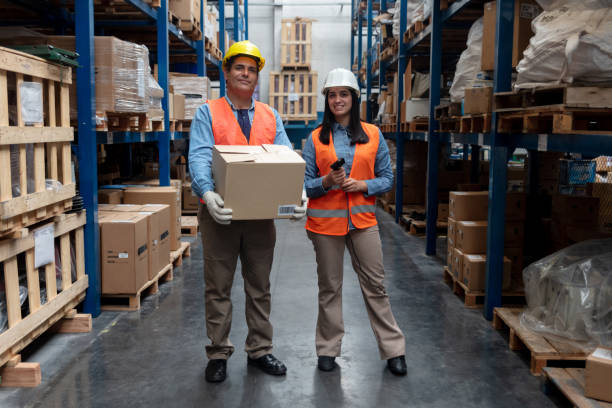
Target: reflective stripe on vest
{"points": [[329, 214], [226, 129]]}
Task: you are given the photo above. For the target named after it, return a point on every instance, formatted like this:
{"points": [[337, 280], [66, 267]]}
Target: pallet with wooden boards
{"points": [[418, 227], [543, 349], [176, 257], [130, 121], [296, 43], [294, 94], [44, 309], [34, 152], [131, 301], [189, 226], [474, 299], [570, 382], [475, 123], [557, 109]]}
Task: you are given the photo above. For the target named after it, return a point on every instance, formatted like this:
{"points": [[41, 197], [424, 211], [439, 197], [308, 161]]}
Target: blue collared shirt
{"points": [[313, 182], [201, 141]]}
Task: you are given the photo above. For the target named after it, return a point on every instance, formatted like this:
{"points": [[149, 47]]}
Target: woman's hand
{"points": [[334, 178], [351, 185]]}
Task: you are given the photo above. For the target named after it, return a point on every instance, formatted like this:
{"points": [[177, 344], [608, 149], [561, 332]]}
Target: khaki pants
{"points": [[366, 255], [254, 242]]}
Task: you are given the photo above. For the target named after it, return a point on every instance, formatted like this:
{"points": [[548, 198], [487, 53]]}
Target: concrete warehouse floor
{"points": [[155, 357]]}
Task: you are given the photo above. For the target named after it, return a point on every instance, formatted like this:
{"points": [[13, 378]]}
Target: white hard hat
{"points": [[341, 77]]}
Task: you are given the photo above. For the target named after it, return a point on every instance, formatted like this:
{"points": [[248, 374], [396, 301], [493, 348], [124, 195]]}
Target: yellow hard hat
{"points": [[245, 48]]}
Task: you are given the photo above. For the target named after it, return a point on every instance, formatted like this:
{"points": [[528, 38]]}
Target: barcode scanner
{"points": [[337, 164]]}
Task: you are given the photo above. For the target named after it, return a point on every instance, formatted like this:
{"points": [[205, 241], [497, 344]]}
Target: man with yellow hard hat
{"points": [[236, 119]]}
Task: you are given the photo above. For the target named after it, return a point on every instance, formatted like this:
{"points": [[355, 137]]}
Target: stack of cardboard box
{"points": [[467, 238], [574, 219]]}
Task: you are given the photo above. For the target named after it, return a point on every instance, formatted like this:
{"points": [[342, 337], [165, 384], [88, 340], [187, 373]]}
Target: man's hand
{"points": [[334, 178], [351, 185], [300, 212], [215, 203]]}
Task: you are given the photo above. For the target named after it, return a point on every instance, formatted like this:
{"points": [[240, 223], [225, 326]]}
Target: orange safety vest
{"points": [[329, 213], [227, 131]]}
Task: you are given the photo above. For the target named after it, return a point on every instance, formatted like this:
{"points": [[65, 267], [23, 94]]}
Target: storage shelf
{"points": [[109, 138]]}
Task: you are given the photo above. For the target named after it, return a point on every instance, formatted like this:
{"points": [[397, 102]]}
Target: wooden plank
{"points": [[77, 323], [570, 381], [6, 192], [39, 167], [66, 177], [10, 135], [33, 282], [27, 64], [21, 375], [534, 342], [52, 168], [65, 105], [19, 81], [66, 261], [11, 337], [79, 249], [51, 280], [34, 201], [4, 106], [11, 285]]}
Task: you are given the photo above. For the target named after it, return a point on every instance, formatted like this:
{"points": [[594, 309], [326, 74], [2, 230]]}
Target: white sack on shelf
{"points": [[469, 62], [572, 42]]}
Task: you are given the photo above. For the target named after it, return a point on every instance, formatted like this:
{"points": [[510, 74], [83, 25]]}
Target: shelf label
{"points": [[44, 248], [426, 136], [481, 139], [542, 143], [109, 138], [142, 137]]}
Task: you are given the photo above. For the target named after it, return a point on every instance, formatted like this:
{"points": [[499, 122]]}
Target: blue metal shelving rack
{"points": [[88, 138], [502, 145]]}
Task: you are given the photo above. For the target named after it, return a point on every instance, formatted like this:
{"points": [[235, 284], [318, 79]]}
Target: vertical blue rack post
{"points": [[369, 65], [435, 71], [359, 45], [201, 63], [236, 17], [352, 35], [246, 19], [499, 162], [163, 57], [221, 45], [399, 136], [88, 163]]}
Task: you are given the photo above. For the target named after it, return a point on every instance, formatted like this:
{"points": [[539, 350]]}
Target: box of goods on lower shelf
{"points": [[294, 94], [36, 179], [467, 238]]}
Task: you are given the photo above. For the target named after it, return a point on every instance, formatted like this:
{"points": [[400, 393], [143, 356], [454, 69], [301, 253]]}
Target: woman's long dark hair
{"points": [[355, 131]]}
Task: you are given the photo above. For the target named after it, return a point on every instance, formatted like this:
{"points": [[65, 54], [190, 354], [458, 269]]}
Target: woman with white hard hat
{"points": [[347, 165]]}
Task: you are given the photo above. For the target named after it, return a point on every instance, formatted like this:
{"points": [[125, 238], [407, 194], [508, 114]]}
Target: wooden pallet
{"points": [[212, 49], [543, 349], [447, 110], [176, 257], [122, 121], [419, 125], [555, 120], [418, 227], [570, 382], [477, 123], [294, 94], [385, 205], [35, 151], [189, 226], [129, 302], [296, 43], [452, 125], [475, 299], [558, 96], [41, 315], [191, 27]]}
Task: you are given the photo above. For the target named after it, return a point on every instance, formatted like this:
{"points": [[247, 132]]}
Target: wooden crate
{"points": [[33, 151], [296, 43], [19, 254], [294, 94]]}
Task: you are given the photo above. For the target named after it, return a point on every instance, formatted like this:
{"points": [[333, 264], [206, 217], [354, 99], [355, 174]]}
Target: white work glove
{"points": [[215, 203], [300, 212]]}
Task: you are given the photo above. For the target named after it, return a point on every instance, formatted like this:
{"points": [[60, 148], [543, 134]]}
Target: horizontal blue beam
{"points": [[134, 137], [145, 8]]}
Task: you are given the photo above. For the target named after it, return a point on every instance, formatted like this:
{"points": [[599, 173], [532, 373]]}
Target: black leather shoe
{"points": [[397, 365], [268, 364], [326, 363], [216, 370]]}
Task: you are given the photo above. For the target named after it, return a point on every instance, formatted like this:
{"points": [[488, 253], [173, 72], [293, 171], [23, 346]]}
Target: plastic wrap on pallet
{"points": [[121, 76], [15, 181], [569, 294], [572, 42], [155, 94], [23, 295], [31, 102], [194, 88], [469, 62]]}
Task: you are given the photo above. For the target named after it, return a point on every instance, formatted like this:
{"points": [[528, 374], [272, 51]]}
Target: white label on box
{"points": [[480, 139], [293, 97], [286, 209], [44, 248], [542, 143], [123, 255], [606, 354]]}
